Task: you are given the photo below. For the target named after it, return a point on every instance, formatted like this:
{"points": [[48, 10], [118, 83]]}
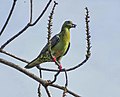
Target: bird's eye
{"points": [[68, 22]]}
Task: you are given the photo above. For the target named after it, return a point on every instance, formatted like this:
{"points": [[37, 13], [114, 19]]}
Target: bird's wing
{"points": [[67, 49], [54, 41]]}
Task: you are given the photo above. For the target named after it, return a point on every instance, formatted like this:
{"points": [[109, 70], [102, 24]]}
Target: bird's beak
{"points": [[74, 25]]}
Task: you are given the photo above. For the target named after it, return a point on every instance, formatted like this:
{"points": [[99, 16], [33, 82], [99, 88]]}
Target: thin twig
{"points": [[50, 32], [66, 77], [88, 53], [26, 27], [15, 36], [39, 90], [66, 84], [39, 86], [88, 33], [9, 16], [47, 91], [49, 41], [46, 7], [40, 71], [55, 77], [63, 88], [30, 11]]}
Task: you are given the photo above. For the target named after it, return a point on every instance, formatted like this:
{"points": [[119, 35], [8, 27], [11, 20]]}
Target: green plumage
{"points": [[60, 44]]}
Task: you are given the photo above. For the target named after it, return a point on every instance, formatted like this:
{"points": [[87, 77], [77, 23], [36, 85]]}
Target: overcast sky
{"points": [[99, 77]]}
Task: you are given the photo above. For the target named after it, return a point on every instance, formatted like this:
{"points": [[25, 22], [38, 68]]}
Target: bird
{"points": [[60, 44]]}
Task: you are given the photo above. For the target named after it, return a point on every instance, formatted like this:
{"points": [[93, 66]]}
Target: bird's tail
{"points": [[33, 63]]}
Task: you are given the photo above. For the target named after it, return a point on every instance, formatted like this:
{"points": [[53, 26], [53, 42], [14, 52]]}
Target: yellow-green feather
{"points": [[62, 46]]}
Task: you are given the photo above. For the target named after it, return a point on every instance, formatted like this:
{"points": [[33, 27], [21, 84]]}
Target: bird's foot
{"points": [[54, 59], [60, 67]]}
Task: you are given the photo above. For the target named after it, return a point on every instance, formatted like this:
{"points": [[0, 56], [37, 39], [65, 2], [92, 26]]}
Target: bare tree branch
{"points": [[66, 84], [63, 88], [39, 90], [15, 36], [29, 24], [64, 92], [55, 77], [39, 86], [47, 91], [88, 33], [50, 32], [53, 70], [49, 36], [11, 55], [66, 77], [46, 7], [31, 2], [31, 75], [9, 16], [43, 82]]}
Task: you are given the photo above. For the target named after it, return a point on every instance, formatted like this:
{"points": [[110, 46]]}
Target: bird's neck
{"points": [[65, 34], [65, 29]]}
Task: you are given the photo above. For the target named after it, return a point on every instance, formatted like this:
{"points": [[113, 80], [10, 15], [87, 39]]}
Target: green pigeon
{"points": [[60, 44]]}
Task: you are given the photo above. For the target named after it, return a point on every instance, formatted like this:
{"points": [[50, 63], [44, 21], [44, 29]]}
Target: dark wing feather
{"points": [[54, 41], [67, 49]]}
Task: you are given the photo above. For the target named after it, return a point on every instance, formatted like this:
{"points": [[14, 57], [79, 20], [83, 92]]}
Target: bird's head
{"points": [[68, 24]]}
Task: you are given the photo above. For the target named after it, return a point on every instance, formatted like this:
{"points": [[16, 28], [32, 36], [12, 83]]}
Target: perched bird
{"points": [[60, 44]]}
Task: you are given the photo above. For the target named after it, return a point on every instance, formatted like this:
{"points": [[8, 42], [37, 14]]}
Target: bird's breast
{"points": [[60, 49], [62, 45]]}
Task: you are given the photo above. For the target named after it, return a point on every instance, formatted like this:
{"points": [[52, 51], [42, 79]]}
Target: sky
{"points": [[98, 77]]}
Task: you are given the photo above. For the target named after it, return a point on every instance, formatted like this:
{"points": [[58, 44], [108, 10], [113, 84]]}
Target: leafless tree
{"points": [[42, 82]]}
